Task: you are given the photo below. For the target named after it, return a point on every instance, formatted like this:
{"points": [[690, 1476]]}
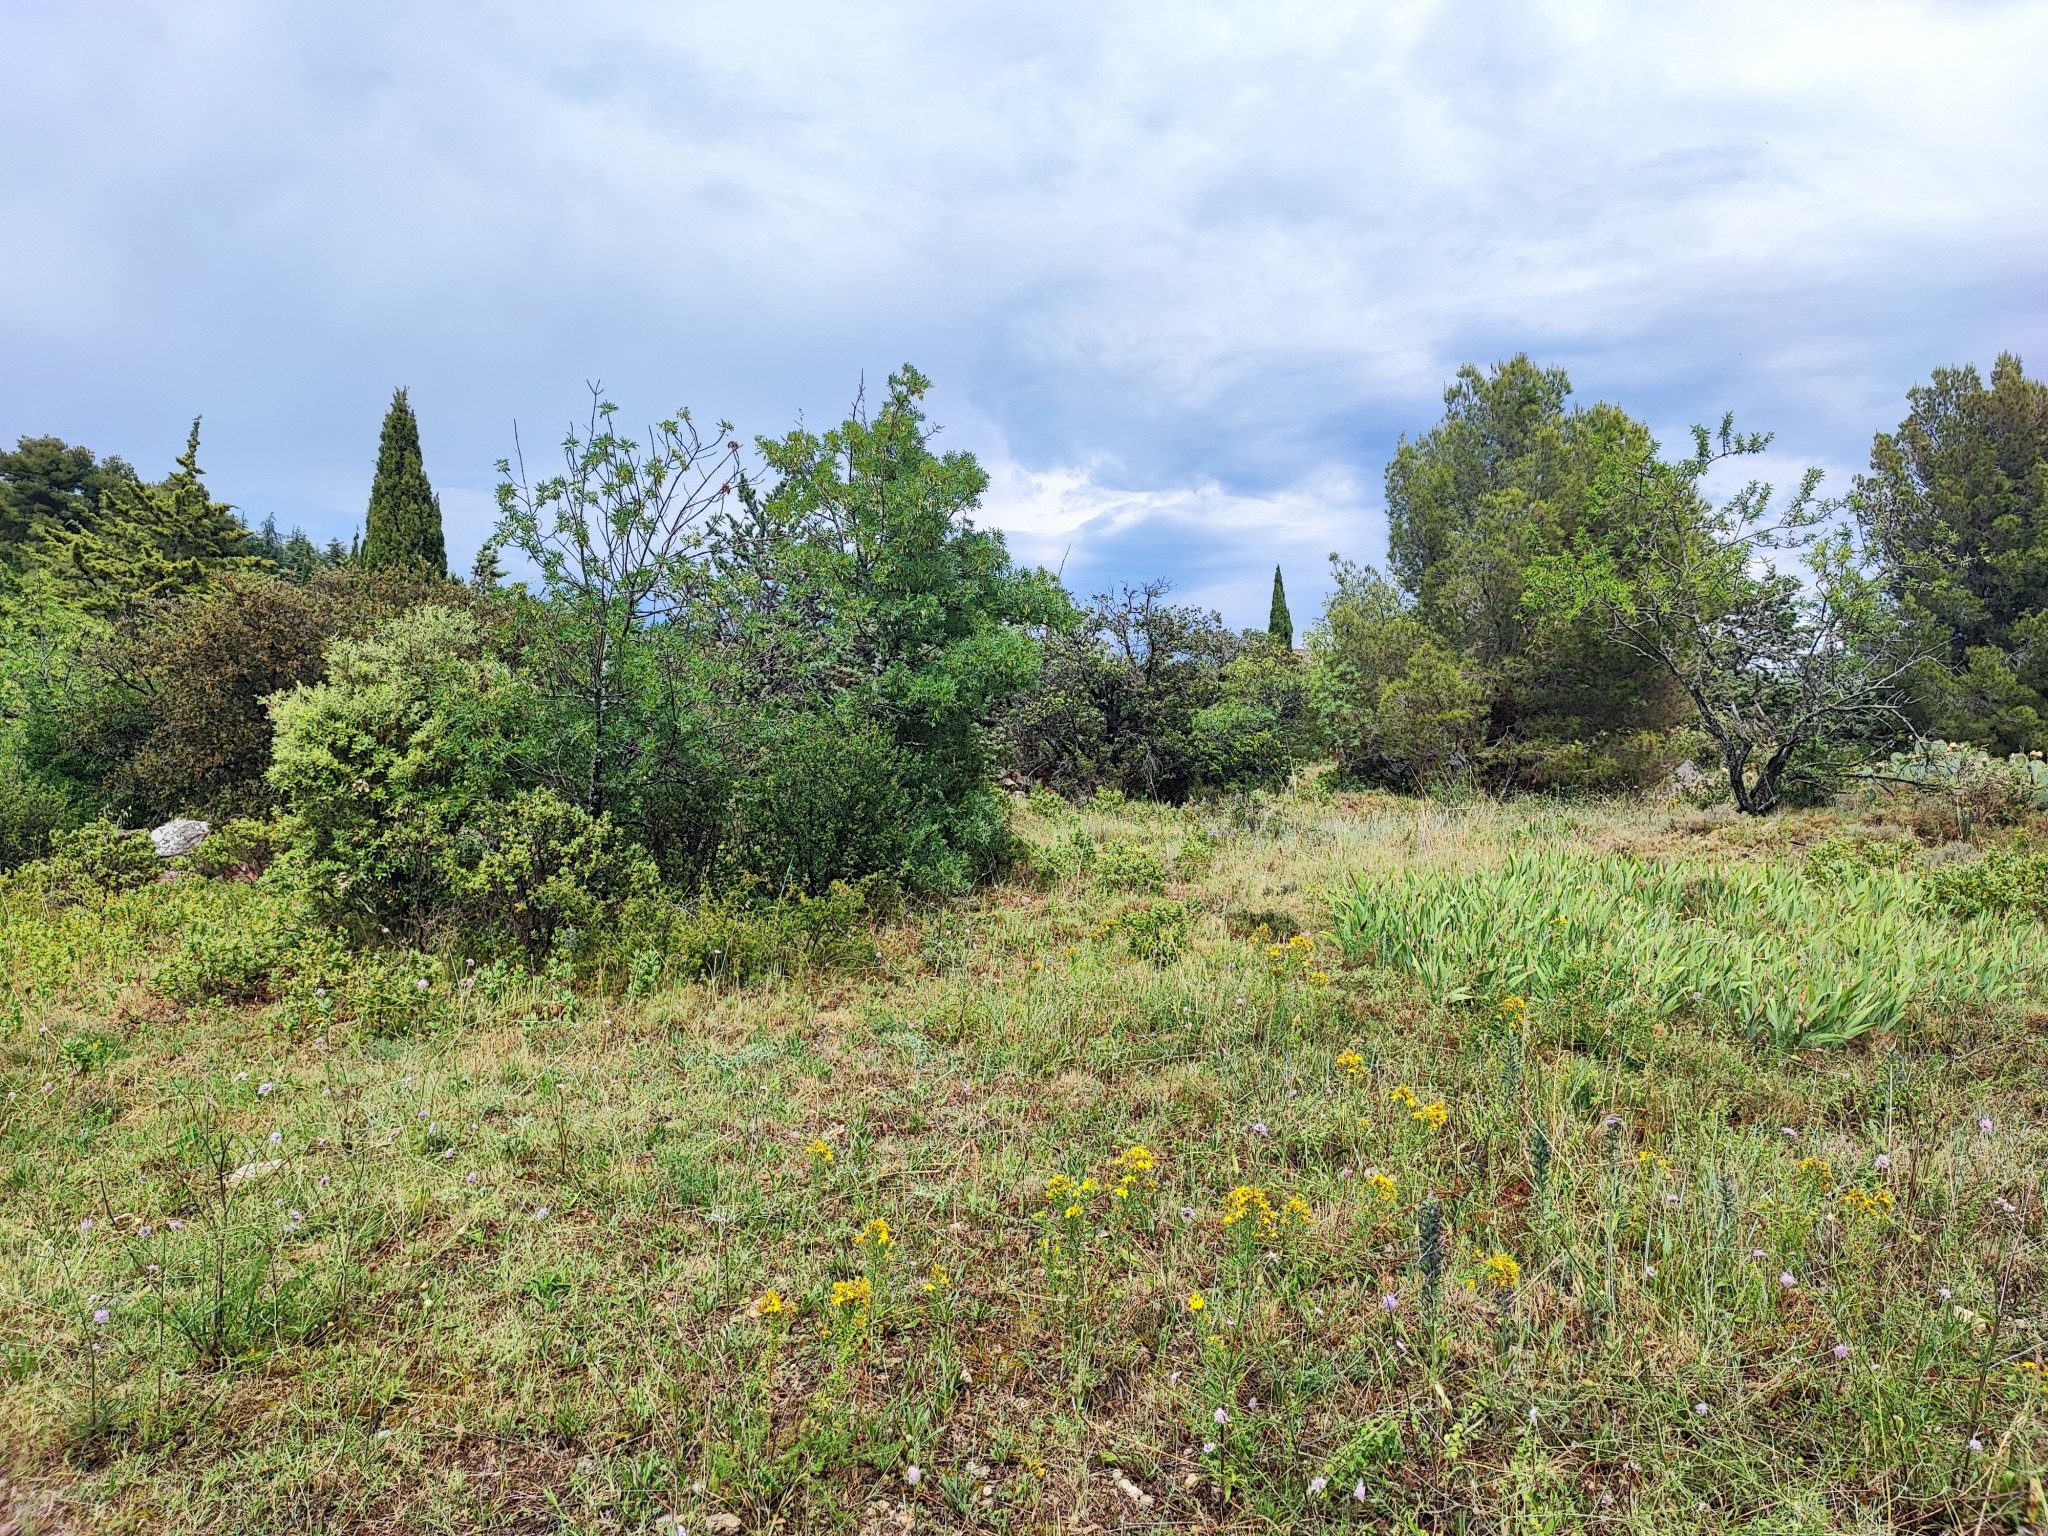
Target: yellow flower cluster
{"points": [[2038, 1371], [1514, 1008], [1249, 1203], [856, 1293], [1381, 1184], [1867, 1202], [937, 1280], [876, 1233], [819, 1154], [1352, 1065], [1502, 1272], [1137, 1163], [1196, 1301], [1403, 1095], [769, 1304], [1298, 953], [1432, 1115]]}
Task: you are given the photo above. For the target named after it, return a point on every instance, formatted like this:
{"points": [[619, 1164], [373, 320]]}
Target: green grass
{"points": [[501, 1266]]}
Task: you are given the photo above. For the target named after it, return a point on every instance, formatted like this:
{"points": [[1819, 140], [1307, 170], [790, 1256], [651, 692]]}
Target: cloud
{"points": [[1184, 273]]}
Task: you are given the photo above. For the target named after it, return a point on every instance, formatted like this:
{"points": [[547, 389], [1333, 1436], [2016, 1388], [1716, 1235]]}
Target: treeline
{"points": [[771, 670]]}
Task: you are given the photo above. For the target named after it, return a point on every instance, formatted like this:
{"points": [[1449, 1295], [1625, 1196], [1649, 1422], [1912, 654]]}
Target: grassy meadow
{"points": [[1303, 1163]]}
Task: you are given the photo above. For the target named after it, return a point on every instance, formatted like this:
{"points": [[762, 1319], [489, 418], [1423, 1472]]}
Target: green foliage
{"points": [[31, 813], [383, 764], [148, 542], [1839, 862], [403, 527], [534, 869], [1157, 931], [1157, 700], [1956, 502], [1504, 481], [1279, 622], [96, 858], [1791, 678], [47, 483], [1126, 866], [1394, 705], [1771, 955], [240, 849], [2004, 883]]}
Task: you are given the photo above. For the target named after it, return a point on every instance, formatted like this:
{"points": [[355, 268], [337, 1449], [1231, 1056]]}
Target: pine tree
{"points": [[1279, 622], [148, 541], [404, 525]]}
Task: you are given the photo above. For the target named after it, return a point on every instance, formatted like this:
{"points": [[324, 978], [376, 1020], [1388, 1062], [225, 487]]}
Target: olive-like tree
{"points": [[1766, 611]]}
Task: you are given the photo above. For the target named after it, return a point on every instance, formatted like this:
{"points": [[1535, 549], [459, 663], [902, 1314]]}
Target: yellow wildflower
{"points": [[876, 1232], [818, 1152], [1248, 1202], [1381, 1184], [1136, 1159], [938, 1280], [1502, 1272], [1297, 1210], [1513, 1007], [1196, 1301], [856, 1293], [1432, 1115], [1058, 1185], [1351, 1064], [769, 1304], [1403, 1095]]}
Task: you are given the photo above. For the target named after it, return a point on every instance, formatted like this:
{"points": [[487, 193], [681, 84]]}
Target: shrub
{"points": [[380, 765], [1157, 930], [241, 850], [1968, 789], [97, 857], [825, 805], [1122, 866], [31, 812], [1837, 860], [232, 957], [536, 867], [2005, 883]]}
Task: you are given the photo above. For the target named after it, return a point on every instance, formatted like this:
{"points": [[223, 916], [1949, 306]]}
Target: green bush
{"points": [[241, 850], [1838, 860], [529, 871], [31, 813], [98, 857], [1122, 866], [233, 957], [2004, 883], [1157, 930]]}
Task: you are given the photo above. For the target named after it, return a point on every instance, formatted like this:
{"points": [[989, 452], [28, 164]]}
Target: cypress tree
{"points": [[404, 525], [1279, 622]]}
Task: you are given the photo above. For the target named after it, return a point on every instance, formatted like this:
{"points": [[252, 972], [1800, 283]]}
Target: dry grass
{"points": [[505, 1274]]}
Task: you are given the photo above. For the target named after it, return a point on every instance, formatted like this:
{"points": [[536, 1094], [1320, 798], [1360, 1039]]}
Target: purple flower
{"points": [[1882, 1162], [1700, 1409], [1790, 1134], [1841, 1351], [1358, 1490], [1220, 1416], [1785, 1279], [1390, 1302], [1986, 1125], [1318, 1484], [1976, 1444], [1208, 1447], [85, 1225], [264, 1090], [100, 1316], [911, 1474], [1259, 1128], [1187, 1213]]}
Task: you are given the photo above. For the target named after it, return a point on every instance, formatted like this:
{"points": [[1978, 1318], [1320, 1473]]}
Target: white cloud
{"points": [[1182, 268]]}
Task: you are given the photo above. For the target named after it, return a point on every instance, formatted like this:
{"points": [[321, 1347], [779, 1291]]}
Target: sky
{"points": [[1183, 274]]}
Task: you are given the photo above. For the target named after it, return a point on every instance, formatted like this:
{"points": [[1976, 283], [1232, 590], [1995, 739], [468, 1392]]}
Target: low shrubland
{"points": [[1285, 1164]]}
